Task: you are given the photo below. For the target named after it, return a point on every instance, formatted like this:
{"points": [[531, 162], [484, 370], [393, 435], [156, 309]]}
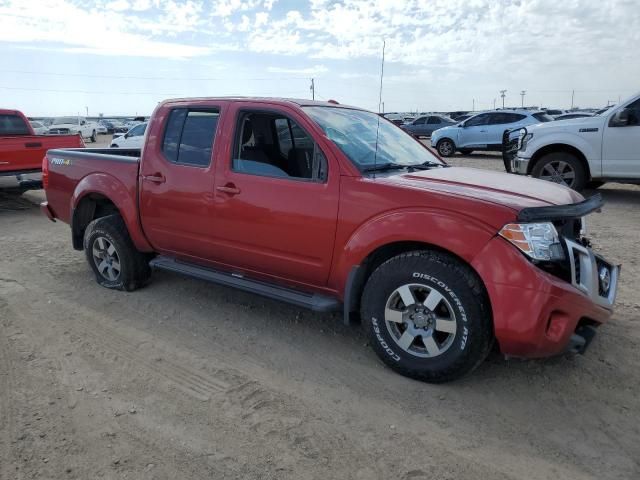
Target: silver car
{"points": [[424, 126]]}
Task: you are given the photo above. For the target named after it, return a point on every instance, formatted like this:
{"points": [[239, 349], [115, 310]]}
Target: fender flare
{"points": [[425, 226], [124, 198]]}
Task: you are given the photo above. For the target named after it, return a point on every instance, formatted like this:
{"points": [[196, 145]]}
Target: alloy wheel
{"points": [[560, 172], [106, 258], [420, 320]]}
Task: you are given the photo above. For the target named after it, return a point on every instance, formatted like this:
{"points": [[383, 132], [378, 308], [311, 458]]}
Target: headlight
{"points": [[539, 241], [523, 140]]}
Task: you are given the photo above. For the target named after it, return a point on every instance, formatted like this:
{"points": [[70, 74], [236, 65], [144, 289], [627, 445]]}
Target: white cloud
{"points": [[315, 70], [74, 29]]}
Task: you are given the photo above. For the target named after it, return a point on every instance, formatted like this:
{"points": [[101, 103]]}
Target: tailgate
{"points": [[24, 154]]}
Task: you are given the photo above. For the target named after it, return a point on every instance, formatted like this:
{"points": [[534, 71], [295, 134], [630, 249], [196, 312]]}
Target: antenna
{"points": [[375, 155], [381, 76]]}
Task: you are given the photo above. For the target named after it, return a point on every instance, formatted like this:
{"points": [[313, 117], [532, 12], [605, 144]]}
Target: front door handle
{"points": [[156, 178], [229, 189]]}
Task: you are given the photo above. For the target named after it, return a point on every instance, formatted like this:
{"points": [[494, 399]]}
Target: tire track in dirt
{"points": [[7, 426]]}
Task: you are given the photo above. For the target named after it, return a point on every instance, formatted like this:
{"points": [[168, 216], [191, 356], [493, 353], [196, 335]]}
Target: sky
{"points": [[121, 57]]}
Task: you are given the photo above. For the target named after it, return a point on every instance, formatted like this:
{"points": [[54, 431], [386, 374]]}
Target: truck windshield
{"points": [[357, 133]]}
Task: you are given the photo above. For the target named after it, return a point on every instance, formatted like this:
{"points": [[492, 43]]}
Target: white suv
{"points": [[584, 152], [483, 131]]}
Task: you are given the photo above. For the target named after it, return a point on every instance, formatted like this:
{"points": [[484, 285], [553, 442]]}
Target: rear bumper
{"points": [[535, 313], [46, 210]]}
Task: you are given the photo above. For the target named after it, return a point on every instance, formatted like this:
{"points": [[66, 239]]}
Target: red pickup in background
{"points": [[21, 150]]}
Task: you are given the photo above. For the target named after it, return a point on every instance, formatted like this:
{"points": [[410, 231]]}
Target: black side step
{"points": [[312, 301]]}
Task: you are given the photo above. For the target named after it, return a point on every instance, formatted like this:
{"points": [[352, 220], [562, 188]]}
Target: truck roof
{"points": [[270, 100]]}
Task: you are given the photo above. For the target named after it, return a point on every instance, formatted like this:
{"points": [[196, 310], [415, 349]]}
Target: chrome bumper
{"points": [[592, 274], [519, 165]]}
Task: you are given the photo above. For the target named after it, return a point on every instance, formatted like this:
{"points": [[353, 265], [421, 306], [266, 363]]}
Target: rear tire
{"points": [[562, 168], [113, 257], [427, 316], [446, 147]]}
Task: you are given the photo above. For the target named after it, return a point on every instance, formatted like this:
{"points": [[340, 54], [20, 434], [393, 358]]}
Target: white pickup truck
{"points": [[70, 125], [582, 152]]}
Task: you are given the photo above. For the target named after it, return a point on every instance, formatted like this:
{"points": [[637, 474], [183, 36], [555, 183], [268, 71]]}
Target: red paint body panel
{"points": [[24, 153], [310, 235], [524, 299]]}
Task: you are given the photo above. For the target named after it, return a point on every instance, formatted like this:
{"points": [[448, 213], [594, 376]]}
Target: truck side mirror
{"points": [[622, 118]]}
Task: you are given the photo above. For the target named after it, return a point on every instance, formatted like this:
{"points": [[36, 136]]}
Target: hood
{"points": [[453, 127], [513, 191], [64, 125], [572, 125]]}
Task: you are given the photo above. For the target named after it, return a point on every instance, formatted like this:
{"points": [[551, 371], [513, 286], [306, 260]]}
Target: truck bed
{"points": [[68, 167]]}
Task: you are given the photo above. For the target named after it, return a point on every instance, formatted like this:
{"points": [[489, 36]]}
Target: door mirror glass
{"points": [[624, 118]]}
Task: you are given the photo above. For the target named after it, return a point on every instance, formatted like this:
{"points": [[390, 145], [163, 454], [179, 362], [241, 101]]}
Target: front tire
{"points": [[446, 147], [112, 256], [562, 168], [427, 316]]}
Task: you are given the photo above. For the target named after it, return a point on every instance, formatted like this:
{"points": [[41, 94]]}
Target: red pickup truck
{"points": [[335, 208], [21, 150]]}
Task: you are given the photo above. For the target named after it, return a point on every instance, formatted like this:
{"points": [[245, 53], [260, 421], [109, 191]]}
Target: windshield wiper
{"points": [[427, 165], [383, 167]]}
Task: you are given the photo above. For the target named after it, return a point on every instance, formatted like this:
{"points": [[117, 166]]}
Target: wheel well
{"points": [[446, 138], [89, 208], [386, 252], [559, 147]]}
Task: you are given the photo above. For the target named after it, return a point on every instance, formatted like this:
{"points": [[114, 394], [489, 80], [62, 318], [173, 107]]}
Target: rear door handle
{"points": [[33, 144], [229, 189], [157, 178]]}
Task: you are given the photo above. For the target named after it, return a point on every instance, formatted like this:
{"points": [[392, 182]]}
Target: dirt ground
{"points": [[189, 380]]}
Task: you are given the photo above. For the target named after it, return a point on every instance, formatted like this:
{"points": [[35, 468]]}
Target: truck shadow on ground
{"points": [[12, 200]]}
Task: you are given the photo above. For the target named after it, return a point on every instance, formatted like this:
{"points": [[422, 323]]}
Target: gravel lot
{"points": [[189, 380]]}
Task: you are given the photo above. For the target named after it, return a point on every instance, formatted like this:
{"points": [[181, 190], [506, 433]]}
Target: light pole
{"points": [[522, 94], [87, 109], [494, 103], [502, 94]]}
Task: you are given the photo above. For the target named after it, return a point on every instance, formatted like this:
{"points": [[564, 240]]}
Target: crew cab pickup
{"points": [[21, 150], [332, 207], [581, 152]]}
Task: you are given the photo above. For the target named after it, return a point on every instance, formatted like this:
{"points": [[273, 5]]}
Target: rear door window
{"points": [[542, 117], [434, 121], [481, 119], [189, 136], [13, 125]]}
